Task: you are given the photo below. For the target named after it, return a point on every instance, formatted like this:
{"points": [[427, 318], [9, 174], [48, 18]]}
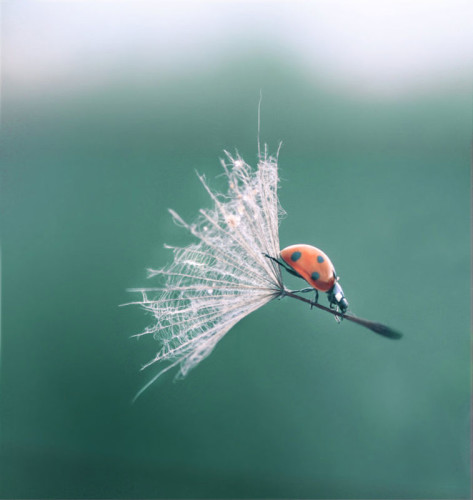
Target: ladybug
{"points": [[313, 265]]}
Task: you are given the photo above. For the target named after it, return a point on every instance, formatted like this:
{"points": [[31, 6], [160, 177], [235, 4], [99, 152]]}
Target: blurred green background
{"points": [[107, 111]]}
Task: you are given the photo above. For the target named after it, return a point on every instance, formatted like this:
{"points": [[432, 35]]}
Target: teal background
{"points": [[289, 405]]}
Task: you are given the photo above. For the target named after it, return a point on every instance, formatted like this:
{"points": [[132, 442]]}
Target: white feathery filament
{"points": [[222, 277]]}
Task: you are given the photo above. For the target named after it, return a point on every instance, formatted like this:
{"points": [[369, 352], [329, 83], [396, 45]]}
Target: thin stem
{"points": [[374, 326]]}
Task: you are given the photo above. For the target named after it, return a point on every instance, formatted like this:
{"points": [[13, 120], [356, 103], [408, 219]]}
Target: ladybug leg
{"points": [[282, 264], [309, 289], [333, 306], [338, 319], [291, 271], [303, 290], [316, 297]]}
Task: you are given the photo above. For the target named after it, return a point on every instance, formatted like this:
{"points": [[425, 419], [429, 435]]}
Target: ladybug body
{"points": [[314, 266], [311, 264]]}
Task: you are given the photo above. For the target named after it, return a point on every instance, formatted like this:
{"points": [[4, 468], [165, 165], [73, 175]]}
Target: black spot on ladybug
{"points": [[320, 259], [295, 256], [315, 276]]}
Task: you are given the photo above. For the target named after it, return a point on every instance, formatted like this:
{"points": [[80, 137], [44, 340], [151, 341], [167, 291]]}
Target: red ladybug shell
{"points": [[312, 264]]}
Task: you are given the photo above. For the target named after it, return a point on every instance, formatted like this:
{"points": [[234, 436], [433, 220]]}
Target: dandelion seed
{"points": [[226, 274], [215, 282]]}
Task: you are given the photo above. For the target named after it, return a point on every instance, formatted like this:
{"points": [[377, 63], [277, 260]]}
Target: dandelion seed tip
{"points": [[151, 272], [178, 220], [201, 177]]}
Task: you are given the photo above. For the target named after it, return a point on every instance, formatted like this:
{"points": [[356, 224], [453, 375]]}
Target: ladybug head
{"points": [[337, 297]]}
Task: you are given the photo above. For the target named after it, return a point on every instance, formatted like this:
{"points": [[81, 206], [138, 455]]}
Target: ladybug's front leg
{"points": [[335, 307], [282, 264], [304, 290], [309, 289]]}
